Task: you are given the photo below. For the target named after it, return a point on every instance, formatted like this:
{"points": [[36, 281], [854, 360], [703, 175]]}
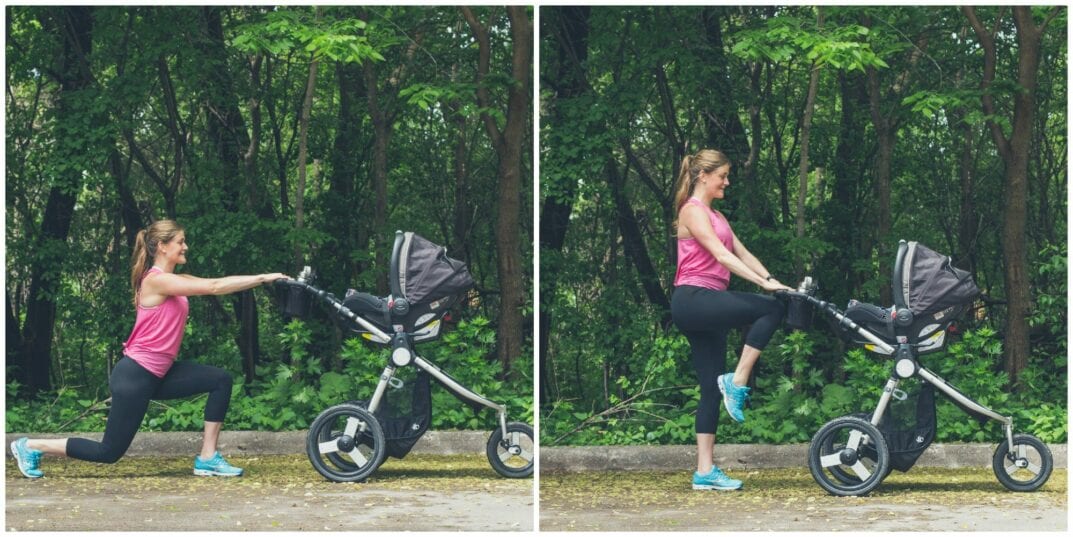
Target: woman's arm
{"points": [[187, 285], [696, 221], [752, 262]]}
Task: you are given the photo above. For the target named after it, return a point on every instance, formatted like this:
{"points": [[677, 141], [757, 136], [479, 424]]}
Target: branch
{"points": [[483, 60], [91, 408], [622, 406], [987, 42]]}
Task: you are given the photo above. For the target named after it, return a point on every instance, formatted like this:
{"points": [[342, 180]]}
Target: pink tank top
{"points": [[696, 265], [158, 332]]}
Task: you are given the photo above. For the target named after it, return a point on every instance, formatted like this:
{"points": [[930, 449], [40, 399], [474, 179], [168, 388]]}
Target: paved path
{"points": [[279, 492], [925, 499]]}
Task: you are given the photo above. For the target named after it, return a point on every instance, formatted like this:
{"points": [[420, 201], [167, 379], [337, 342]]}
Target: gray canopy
{"points": [[427, 274], [930, 283]]}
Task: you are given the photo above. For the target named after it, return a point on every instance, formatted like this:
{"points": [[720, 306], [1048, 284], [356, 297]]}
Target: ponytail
{"points": [[145, 245], [138, 261], [686, 183]]}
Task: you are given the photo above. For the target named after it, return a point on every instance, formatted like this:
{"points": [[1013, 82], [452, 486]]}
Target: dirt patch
{"points": [[925, 499], [419, 493]]}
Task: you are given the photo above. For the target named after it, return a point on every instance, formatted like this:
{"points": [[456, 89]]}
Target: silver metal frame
{"points": [[922, 372], [447, 381], [951, 392], [389, 371]]}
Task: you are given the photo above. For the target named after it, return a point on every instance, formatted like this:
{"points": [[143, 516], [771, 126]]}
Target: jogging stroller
{"points": [[349, 441], [851, 455]]}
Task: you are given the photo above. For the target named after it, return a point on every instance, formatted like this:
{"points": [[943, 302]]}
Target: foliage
{"points": [[290, 394], [626, 93]]}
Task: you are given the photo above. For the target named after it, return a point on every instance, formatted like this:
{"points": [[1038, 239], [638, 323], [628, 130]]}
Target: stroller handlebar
{"points": [[335, 303]]}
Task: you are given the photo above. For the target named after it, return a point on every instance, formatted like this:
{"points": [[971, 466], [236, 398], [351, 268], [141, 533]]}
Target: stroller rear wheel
{"points": [[512, 456], [1027, 468], [346, 443], [848, 457]]}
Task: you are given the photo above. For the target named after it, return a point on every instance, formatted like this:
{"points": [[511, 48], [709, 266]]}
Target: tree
{"points": [[508, 145], [1014, 150]]}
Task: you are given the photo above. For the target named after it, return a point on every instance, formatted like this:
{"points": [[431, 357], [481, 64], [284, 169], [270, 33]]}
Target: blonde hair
{"points": [[705, 160], [145, 245]]}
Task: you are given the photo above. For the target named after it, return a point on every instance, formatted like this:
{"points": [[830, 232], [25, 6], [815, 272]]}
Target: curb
{"points": [[745, 456], [249, 443]]}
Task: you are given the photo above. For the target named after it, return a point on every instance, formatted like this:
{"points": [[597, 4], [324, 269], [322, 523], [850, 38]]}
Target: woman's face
{"points": [[716, 181], [174, 251]]}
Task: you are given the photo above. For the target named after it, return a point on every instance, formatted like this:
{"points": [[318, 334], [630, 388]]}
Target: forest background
{"points": [[278, 137], [849, 128]]}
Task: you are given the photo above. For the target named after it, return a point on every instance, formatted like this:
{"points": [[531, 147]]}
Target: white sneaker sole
{"points": [[18, 462], [714, 487], [211, 473]]}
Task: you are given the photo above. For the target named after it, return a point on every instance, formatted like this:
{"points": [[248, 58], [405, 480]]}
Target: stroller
{"points": [[851, 455], [349, 441]]}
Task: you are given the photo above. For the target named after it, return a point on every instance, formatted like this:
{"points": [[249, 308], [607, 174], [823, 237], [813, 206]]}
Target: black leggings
{"points": [[132, 388], [705, 316]]}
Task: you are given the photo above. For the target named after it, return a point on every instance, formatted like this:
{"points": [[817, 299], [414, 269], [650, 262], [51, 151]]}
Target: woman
{"points": [[148, 369], [705, 311]]}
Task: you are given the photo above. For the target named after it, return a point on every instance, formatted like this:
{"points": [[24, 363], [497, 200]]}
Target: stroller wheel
{"points": [[346, 443], [1027, 468], [848, 457], [512, 456], [846, 475]]}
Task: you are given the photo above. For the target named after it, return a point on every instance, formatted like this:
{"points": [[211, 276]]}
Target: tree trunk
{"points": [[508, 145], [1015, 153], [227, 134], [75, 24], [572, 52], [634, 244], [303, 145], [802, 168], [381, 140], [339, 205]]}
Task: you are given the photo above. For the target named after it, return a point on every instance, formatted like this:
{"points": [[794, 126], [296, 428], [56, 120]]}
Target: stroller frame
{"points": [[352, 449], [839, 468]]}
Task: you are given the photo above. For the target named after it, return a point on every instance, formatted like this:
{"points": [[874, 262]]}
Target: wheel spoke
{"points": [[331, 446], [828, 461], [358, 457], [505, 455], [526, 455], [854, 441], [1034, 468], [352, 425], [861, 471]]}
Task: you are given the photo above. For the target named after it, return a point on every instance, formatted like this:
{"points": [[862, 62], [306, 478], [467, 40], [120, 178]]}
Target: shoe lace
{"points": [[33, 458]]}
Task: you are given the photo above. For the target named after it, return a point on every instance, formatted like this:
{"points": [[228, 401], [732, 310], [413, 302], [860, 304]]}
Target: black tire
{"points": [[346, 443], [846, 476], [848, 457], [513, 458], [1028, 468]]}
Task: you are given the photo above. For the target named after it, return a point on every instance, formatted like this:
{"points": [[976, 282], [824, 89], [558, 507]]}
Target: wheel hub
{"points": [[345, 443], [848, 456], [514, 450]]}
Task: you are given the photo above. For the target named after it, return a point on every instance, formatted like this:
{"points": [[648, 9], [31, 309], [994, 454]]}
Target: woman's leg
{"points": [[767, 313], [187, 378], [131, 385], [708, 351]]}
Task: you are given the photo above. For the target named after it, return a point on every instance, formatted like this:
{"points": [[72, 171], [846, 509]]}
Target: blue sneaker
{"points": [[734, 396], [27, 459], [216, 466], [714, 480]]}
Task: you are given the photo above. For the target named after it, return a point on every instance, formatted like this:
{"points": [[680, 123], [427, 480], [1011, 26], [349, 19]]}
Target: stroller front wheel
{"points": [[1027, 468], [512, 456], [848, 457], [346, 443]]}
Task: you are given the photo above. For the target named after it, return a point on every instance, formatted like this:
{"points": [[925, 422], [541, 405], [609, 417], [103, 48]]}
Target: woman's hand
{"points": [[775, 285], [269, 278]]}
